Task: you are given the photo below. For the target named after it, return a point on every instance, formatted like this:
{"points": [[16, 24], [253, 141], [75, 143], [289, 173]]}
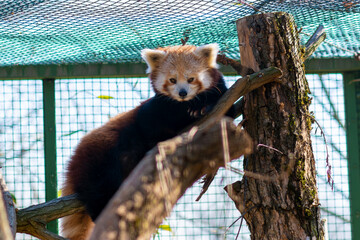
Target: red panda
{"points": [[187, 84]]}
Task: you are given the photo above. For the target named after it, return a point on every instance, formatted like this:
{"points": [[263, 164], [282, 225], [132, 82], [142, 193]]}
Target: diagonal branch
{"points": [[162, 177], [241, 87]]}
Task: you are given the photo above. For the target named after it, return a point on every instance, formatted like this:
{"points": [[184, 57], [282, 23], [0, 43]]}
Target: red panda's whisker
{"points": [[218, 89]]}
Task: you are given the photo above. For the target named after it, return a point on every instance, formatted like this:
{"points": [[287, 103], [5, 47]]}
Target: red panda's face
{"points": [[181, 72], [181, 81]]}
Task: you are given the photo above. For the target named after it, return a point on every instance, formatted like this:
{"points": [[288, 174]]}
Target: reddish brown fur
{"points": [[77, 226], [199, 84], [98, 140], [166, 86]]}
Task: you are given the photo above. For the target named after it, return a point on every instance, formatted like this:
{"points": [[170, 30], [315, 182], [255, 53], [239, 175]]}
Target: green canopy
{"points": [[39, 32]]}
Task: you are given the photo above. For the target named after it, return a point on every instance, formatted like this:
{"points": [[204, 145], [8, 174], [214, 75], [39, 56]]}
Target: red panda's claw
{"points": [[195, 113]]}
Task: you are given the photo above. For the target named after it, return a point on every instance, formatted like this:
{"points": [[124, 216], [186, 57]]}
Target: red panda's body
{"points": [[187, 84]]}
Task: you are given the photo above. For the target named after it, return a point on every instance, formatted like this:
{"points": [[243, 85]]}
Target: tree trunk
{"points": [[278, 194]]}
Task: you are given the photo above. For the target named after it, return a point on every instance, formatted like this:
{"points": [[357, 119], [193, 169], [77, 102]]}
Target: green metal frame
{"points": [[50, 144], [139, 69], [352, 115]]}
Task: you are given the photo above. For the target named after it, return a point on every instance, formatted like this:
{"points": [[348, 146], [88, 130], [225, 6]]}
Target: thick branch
{"points": [[241, 87], [33, 220], [6, 212], [153, 188]]}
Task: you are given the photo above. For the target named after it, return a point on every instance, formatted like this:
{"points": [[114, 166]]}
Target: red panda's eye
{"points": [[172, 80], [190, 80]]}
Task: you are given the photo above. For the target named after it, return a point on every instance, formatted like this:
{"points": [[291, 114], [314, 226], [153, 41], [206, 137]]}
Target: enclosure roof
{"points": [[39, 32]]}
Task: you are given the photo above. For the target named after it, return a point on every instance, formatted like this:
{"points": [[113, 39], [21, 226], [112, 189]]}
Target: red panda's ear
{"points": [[153, 58], [209, 53]]}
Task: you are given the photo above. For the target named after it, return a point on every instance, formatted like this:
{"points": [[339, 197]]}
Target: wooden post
{"points": [[278, 194]]}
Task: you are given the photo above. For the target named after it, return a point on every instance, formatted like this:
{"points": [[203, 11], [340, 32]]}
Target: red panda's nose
{"points": [[182, 93]]}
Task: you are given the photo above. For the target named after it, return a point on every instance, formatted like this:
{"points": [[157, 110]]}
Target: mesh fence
{"points": [[328, 107], [92, 31], [82, 105], [21, 140]]}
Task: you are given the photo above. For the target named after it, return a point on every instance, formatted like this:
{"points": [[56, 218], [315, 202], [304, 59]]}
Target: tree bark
{"points": [[278, 194], [153, 188], [33, 220]]}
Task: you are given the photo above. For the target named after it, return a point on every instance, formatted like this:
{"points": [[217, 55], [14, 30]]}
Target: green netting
{"points": [[84, 104], [112, 31]]}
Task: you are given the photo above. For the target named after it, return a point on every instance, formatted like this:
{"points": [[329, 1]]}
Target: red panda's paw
{"points": [[197, 113]]}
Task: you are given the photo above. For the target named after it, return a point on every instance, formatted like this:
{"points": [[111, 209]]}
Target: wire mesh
{"points": [[21, 141], [84, 104], [111, 31], [328, 107]]}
